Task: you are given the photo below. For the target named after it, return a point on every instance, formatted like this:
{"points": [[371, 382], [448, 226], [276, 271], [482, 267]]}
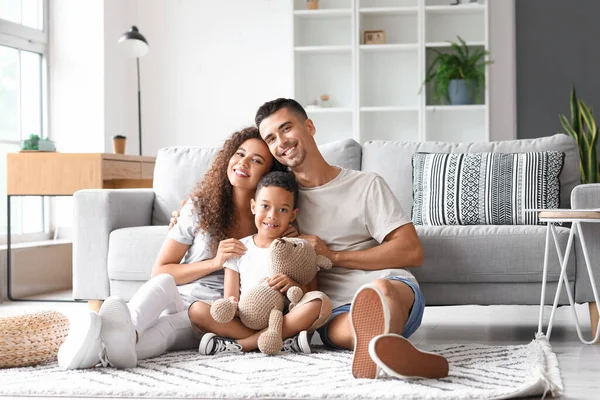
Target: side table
{"points": [[575, 218], [62, 174]]}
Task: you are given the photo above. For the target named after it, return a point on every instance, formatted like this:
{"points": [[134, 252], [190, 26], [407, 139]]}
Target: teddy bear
{"points": [[263, 307]]}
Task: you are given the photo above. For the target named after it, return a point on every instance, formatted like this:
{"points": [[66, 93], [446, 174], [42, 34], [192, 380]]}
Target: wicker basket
{"points": [[32, 338]]}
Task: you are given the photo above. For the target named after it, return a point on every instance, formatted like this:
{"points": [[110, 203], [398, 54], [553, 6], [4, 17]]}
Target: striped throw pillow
{"points": [[484, 188]]}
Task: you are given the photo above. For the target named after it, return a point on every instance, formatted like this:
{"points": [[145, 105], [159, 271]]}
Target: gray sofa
{"points": [[119, 232]]}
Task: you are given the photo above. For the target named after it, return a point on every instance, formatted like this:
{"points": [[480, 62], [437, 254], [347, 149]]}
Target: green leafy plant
{"points": [[31, 143], [461, 63], [582, 127]]}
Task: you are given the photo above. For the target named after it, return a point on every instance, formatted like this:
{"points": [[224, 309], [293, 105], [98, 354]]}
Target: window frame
{"points": [[29, 39]]}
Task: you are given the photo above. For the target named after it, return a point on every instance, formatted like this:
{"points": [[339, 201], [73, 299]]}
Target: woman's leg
{"points": [[158, 295], [170, 332]]}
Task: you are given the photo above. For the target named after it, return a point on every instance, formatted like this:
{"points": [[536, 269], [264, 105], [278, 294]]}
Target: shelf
{"points": [[389, 10], [389, 47], [338, 12], [327, 110], [388, 109], [468, 107], [471, 43], [457, 9], [323, 49]]}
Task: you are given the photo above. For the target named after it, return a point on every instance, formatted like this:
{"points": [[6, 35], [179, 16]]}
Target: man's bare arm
{"points": [[400, 248]]}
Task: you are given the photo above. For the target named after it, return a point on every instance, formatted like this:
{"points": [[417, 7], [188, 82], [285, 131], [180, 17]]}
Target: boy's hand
{"points": [[281, 282]]}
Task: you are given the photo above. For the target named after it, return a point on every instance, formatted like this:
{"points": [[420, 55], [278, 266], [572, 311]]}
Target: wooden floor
{"points": [[493, 325]]}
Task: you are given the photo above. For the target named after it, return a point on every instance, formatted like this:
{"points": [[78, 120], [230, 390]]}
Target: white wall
{"points": [[211, 65], [120, 82], [76, 79]]}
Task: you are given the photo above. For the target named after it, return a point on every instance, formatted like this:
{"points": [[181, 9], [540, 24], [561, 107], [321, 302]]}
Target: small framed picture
{"points": [[374, 37]]}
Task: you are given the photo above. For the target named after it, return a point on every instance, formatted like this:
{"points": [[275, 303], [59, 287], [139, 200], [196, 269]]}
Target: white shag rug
{"points": [[476, 371]]}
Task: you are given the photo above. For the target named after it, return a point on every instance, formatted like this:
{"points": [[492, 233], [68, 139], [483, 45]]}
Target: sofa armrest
{"points": [[96, 213], [585, 197]]}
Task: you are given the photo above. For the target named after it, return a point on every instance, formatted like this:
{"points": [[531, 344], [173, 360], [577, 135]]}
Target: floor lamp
{"points": [[135, 45]]}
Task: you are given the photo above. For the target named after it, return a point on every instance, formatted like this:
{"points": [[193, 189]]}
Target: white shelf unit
{"points": [[376, 90]]}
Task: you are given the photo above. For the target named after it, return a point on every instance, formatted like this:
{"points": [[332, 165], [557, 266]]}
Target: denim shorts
{"points": [[412, 324]]}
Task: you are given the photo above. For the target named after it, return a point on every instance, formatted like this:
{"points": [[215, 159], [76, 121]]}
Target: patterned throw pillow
{"points": [[484, 188]]}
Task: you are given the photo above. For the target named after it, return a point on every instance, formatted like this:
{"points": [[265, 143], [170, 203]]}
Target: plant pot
{"points": [[460, 92], [312, 4]]}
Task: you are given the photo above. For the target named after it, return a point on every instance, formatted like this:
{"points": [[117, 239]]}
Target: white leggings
{"points": [[161, 319]]}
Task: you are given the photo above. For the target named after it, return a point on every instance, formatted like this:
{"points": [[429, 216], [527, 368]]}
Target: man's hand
{"points": [[281, 282], [175, 215], [319, 245]]}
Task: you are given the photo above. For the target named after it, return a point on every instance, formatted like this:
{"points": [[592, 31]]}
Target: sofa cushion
{"points": [[132, 252], [178, 169], [176, 172], [345, 153], [484, 188], [392, 160], [489, 253]]}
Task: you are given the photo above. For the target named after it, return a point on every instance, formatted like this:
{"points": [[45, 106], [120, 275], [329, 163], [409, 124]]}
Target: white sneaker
{"points": [[117, 334], [297, 344], [212, 344], [82, 347], [397, 357], [370, 317]]}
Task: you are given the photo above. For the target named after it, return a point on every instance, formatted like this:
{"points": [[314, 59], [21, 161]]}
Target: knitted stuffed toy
{"points": [[263, 307]]}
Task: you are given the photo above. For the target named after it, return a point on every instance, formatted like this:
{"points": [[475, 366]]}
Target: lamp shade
{"points": [[134, 44]]}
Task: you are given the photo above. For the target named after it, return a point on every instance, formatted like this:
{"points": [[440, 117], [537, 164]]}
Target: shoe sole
{"points": [[304, 342], [114, 322], [370, 317], [68, 355], [204, 342], [397, 357]]}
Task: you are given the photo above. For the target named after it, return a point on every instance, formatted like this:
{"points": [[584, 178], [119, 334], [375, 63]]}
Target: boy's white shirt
{"points": [[253, 266]]}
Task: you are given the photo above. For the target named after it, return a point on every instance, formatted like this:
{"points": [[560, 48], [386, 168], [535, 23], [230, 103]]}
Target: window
{"points": [[23, 52]]}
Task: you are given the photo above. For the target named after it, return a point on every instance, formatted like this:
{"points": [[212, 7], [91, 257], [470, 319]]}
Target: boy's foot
{"points": [[117, 334], [82, 347], [397, 357], [297, 344], [212, 344], [370, 317]]}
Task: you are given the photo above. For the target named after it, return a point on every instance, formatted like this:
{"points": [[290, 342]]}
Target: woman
{"points": [[156, 319]]}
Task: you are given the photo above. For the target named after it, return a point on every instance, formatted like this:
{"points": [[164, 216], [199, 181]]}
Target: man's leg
{"points": [[399, 297], [395, 306]]}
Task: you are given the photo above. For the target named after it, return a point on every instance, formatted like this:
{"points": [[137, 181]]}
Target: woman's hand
{"points": [[281, 282], [228, 248]]}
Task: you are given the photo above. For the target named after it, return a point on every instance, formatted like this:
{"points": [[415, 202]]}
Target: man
{"points": [[354, 219]]}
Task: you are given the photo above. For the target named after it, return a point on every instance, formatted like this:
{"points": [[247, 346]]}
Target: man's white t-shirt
{"points": [[253, 266], [186, 231], [354, 211]]}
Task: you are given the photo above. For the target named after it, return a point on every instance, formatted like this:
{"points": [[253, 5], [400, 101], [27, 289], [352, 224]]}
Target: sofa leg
{"points": [[95, 305], [594, 319]]}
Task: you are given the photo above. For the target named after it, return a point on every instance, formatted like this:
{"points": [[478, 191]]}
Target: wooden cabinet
{"points": [[54, 174]]}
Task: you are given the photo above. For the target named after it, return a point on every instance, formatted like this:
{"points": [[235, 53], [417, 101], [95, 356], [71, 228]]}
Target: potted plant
{"points": [[458, 75], [582, 127]]}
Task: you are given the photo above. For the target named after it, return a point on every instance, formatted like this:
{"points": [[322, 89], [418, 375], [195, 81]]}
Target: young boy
{"points": [[274, 208]]}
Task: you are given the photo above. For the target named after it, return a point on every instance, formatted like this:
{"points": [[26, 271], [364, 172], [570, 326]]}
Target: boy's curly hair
{"points": [[212, 196]]}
